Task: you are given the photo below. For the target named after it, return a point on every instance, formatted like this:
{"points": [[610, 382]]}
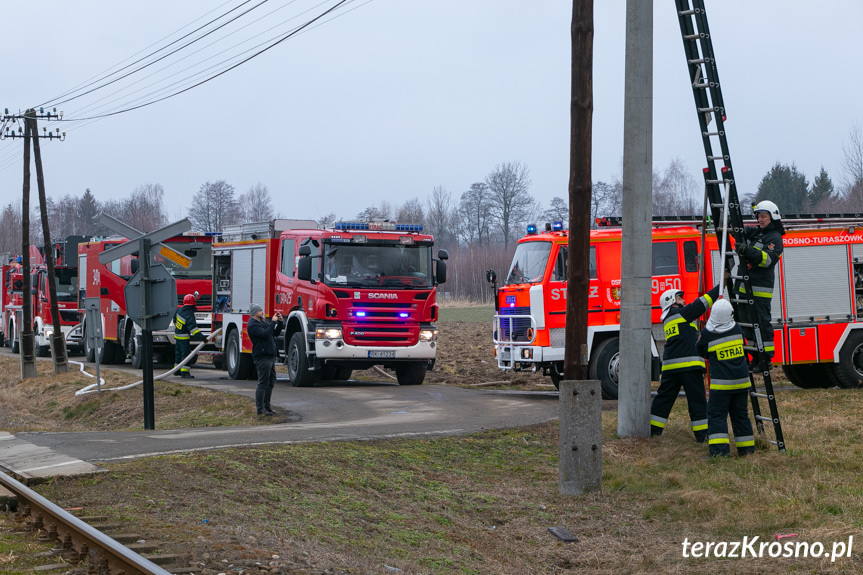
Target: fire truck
{"points": [[355, 296], [66, 284], [122, 337], [817, 308]]}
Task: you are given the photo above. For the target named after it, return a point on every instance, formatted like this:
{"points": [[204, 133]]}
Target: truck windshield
{"points": [[378, 265], [200, 254], [66, 281], [528, 263]]}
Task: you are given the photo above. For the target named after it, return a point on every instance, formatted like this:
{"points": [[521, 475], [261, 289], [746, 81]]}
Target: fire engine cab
{"points": [[357, 295], [817, 308]]}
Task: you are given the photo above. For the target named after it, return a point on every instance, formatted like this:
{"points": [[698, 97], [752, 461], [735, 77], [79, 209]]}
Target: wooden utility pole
{"points": [[58, 340], [25, 327], [581, 133]]}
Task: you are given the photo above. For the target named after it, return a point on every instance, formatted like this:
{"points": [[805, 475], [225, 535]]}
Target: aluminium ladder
{"points": [[711, 118]]}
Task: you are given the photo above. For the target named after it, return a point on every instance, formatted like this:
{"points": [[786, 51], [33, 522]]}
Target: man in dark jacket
{"points": [[185, 328], [681, 364], [263, 334], [760, 253]]}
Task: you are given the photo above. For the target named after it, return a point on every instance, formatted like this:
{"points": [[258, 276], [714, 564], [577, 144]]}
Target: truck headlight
{"points": [[328, 333], [428, 335]]}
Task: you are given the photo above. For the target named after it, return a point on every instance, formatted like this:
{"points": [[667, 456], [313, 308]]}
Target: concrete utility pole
{"points": [[633, 407], [580, 443]]}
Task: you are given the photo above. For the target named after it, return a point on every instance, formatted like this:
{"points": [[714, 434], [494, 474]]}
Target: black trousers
{"points": [[182, 347], [763, 313], [266, 367], [670, 382], [723, 404]]}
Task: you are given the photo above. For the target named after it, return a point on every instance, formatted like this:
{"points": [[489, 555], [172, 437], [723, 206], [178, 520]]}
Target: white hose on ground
{"points": [[93, 387]]}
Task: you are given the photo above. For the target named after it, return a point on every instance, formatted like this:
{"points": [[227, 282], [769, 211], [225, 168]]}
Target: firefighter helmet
{"points": [[769, 207], [189, 299], [721, 317], [667, 298]]}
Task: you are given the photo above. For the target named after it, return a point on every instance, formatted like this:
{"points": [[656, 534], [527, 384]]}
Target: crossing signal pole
{"points": [[58, 341]]}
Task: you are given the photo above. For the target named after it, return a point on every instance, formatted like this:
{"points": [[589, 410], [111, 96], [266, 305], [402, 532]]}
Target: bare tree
{"points": [[511, 202], [475, 217], [675, 191], [214, 207], [327, 221], [441, 218], [606, 200], [852, 168], [411, 212], [558, 210], [255, 205], [141, 210]]}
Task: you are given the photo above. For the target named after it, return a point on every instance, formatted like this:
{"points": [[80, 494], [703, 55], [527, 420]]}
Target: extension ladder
{"points": [[719, 177]]}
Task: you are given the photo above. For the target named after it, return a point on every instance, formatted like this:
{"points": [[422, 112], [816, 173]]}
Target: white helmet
{"points": [[721, 317], [769, 207], [667, 298]]}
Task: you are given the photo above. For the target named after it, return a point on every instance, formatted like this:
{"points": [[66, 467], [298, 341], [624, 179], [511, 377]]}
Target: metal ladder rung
{"points": [[689, 12], [692, 36], [715, 158], [697, 61], [762, 395], [762, 418], [705, 134]]}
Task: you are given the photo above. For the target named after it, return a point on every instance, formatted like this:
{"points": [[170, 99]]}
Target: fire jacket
{"points": [[681, 334], [762, 253], [185, 325], [728, 368]]}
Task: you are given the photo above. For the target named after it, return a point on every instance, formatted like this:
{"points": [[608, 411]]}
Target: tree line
{"points": [[478, 226]]}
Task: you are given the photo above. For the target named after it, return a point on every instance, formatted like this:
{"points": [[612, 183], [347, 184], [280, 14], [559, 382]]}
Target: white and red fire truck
{"points": [[817, 310], [357, 295], [66, 284], [122, 337]]}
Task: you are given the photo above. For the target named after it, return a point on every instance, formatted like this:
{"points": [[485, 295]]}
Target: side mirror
{"points": [[304, 266], [135, 265], [443, 254], [490, 276], [440, 275], [305, 251]]}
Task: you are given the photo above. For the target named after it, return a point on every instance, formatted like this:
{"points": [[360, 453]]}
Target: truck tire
{"points": [[89, 352], [238, 363], [849, 370], [803, 376], [411, 373], [135, 351], [605, 366], [298, 362], [43, 351], [16, 343]]}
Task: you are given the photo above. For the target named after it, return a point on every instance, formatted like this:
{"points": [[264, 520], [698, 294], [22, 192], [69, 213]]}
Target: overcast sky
{"points": [[395, 97]]}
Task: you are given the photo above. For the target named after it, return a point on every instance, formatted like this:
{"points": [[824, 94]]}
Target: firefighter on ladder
{"points": [[681, 364], [761, 251], [185, 328]]}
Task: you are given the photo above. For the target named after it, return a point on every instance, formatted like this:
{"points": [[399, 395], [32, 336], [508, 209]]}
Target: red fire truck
{"points": [[66, 284], [817, 312], [107, 282], [355, 296]]}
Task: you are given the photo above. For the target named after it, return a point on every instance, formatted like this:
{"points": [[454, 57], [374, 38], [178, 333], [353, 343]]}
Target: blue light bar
{"points": [[531, 229], [377, 226], [556, 226]]}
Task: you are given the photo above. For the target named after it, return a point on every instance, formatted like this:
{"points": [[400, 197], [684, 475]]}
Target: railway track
{"points": [[77, 542]]}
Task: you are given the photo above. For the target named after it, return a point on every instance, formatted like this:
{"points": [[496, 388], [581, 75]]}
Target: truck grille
{"points": [[519, 325], [205, 301], [371, 335], [384, 310]]}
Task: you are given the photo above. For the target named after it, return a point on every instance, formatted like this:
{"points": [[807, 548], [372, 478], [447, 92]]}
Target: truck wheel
{"points": [[298, 362], [605, 366], [43, 351], [803, 376], [411, 373], [89, 352], [238, 363], [136, 351], [849, 370]]}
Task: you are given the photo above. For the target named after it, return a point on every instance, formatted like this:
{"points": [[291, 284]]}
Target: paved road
{"points": [[327, 412]]}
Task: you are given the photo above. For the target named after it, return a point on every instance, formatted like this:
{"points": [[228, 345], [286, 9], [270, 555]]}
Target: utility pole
{"points": [[633, 406], [58, 342]]}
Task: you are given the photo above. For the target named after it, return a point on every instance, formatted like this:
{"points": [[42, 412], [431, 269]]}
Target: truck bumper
{"points": [[339, 350]]}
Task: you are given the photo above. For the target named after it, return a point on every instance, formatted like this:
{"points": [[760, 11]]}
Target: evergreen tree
{"points": [[786, 187], [822, 195]]}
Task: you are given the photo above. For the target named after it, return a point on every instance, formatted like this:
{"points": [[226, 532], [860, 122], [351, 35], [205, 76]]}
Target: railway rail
{"points": [[75, 541]]}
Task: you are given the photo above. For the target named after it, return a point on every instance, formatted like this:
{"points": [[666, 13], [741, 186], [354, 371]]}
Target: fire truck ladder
{"points": [[711, 118]]}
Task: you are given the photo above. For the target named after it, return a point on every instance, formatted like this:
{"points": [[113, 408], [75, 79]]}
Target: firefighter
{"points": [[185, 328], [722, 344], [681, 364], [760, 252]]}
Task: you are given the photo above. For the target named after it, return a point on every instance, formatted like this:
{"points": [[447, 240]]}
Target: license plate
{"points": [[382, 354]]}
